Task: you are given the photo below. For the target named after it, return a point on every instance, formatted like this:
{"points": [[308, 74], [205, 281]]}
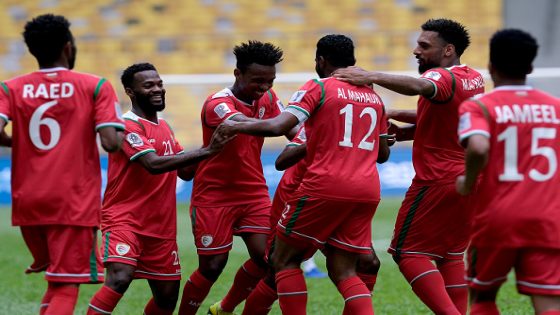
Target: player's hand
{"points": [[220, 137], [353, 75], [396, 132], [461, 186]]}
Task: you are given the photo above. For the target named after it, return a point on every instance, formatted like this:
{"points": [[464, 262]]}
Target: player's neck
{"points": [[503, 82], [145, 115], [237, 93], [450, 63], [56, 64]]}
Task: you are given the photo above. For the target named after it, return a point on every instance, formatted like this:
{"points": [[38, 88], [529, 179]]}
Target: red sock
{"points": [[195, 291], [368, 279], [427, 283], [63, 300], [104, 301], [484, 308], [46, 299], [550, 312], [152, 309], [357, 297], [292, 291], [260, 300], [453, 273], [244, 282]]}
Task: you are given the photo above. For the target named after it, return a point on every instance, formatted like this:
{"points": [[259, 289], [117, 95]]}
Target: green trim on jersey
{"points": [[106, 252], [98, 87], [484, 110], [322, 100], [141, 153], [306, 113], [5, 87], [94, 277], [135, 121], [5, 118], [115, 125], [453, 85], [293, 144], [299, 207], [270, 97], [408, 220]]}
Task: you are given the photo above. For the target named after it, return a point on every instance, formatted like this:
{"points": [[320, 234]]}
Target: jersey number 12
{"points": [[348, 112]]}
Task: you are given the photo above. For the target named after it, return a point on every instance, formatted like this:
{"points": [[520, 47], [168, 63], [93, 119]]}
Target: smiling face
{"points": [[430, 51], [255, 81], [147, 91]]}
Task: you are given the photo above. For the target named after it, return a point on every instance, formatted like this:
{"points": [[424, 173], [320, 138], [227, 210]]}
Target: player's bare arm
{"points": [[274, 127], [156, 164], [5, 139], [242, 118], [290, 156], [187, 173], [111, 138], [402, 133], [401, 84], [384, 150], [404, 115], [476, 158]]}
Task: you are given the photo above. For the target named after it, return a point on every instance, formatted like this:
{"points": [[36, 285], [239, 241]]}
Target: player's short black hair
{"points": [[253, 51], [512, 52], [46, 35], [451, 32], [127, 77], [337, 49]]}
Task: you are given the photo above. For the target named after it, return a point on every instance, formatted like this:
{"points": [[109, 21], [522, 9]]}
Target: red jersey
{"points": [[235, 175], [293, 175], [517, 201], [56, 177], [136, 200], [343, 124], [437, 156]]}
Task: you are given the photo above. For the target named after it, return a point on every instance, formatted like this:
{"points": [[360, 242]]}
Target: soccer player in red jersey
{"points": [[56, 177], [511, 136], [434, 220], [139, 221], [230, 196], [339, 192]]}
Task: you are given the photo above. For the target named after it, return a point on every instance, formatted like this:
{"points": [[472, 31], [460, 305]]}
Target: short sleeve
{"points": [[444, 84], [299, 139], [307, 99], [473, 119], [384, 122], [218, 110], [135, 143], [107, 107], [5, 112]]}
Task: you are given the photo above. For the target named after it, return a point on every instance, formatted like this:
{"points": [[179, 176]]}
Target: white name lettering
{"points": [[527, 113], [48, 91], [476, 83], [358, 96]]}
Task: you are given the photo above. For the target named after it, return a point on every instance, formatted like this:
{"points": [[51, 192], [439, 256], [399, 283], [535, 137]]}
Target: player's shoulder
{"points": [[225, 93], [132, 121]]}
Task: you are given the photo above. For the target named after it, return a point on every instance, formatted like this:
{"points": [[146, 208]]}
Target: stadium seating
{"points": [[196, 36]]}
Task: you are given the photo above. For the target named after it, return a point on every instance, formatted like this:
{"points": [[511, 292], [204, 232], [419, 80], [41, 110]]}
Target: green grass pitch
{"points": [[21, 294]]}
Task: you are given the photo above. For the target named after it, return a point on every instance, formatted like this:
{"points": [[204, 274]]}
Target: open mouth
{"points": [[157, 98]]}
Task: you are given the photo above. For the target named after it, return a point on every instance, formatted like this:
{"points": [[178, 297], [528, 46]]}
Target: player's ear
{"points": [[237, 73], [68, 50], [449, 50], [129, 92]]}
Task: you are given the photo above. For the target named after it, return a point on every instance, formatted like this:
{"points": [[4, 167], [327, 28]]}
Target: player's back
{"points": [[56, 173], [518, 193], [343, 142]]}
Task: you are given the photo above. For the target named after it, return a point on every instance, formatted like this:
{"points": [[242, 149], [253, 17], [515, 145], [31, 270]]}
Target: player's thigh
{"points": [[213, 229], [341, 263], [488, 267], [35, 238], [165, 292], [353, 233], [159, 260], [538, 271]]}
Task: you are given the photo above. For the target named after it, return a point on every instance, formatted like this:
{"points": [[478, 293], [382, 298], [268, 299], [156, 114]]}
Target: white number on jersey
{"points": [[35, 127], [348, 112], [168, 148], [511, 172]]}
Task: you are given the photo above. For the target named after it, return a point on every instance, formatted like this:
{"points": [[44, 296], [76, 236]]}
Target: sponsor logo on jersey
{"points": [[221, 110], [298, 96], [434, 75], [206, 240], [280, 105], [465, 122], [261, 112], [134, 140], [152, 140], [122, 249]]}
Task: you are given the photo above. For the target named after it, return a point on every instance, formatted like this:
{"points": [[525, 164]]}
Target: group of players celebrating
{"points": [[486, 168]]}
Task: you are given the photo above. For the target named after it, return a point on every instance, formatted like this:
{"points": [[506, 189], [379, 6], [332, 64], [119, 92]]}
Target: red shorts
{"points": [[537, 270], [214, 227], [433, 221], [69, 254], [154, 258], [343, 224]]}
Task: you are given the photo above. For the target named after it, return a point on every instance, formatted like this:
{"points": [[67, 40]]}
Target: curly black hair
{"points": [[127, 77], [512, 52], [46, 35], [451, 32], [253, 51], [337, 49]]}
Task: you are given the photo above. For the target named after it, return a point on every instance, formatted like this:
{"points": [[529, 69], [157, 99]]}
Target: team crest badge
{"points": [[134, 140], [122, 249], [261, 112], [206, 240]]}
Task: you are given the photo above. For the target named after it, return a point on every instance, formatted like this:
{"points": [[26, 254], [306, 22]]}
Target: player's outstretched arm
{"points": [[290, 156], [406, 115], [273, 127], [5, 139], [401, 84], [111, 138], [402, 133], [476, 158]]}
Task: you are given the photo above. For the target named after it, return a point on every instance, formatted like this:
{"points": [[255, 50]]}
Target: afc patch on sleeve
{"points": [[298, 96], [280, 105], [434, 75], [134, 140], [222, 110], [465, 122]]}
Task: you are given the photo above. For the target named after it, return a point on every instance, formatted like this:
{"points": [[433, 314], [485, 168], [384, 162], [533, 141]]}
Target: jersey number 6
{"points": [[35, 127]]}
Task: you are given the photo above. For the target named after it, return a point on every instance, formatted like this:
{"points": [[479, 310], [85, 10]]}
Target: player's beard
{"points": [[426, 66], [145, 103]]}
